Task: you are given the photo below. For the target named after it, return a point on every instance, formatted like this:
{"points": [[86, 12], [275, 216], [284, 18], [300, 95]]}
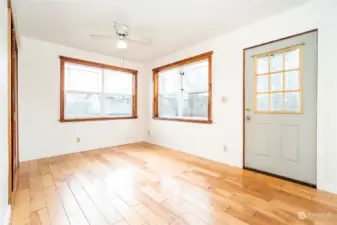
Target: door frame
{"points": [[13, 150], [244, 111]]}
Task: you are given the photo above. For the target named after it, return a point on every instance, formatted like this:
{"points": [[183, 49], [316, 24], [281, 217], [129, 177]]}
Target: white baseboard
{"points": [[8, 216]]}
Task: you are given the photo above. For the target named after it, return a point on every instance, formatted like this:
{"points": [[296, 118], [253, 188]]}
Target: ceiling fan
{"points": [[123, 37]]}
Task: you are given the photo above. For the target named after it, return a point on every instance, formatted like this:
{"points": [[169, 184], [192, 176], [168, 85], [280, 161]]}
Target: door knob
{"points": [[248, 117]]}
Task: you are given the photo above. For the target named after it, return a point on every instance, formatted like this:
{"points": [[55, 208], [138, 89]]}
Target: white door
{"points": [[281, 108]]}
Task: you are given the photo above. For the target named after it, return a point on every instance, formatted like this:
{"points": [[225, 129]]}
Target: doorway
{"points": [[280, 108], [13, 146]]}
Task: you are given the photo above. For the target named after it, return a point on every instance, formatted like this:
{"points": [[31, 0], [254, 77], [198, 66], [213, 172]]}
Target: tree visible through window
{"points": [[92, 91]]}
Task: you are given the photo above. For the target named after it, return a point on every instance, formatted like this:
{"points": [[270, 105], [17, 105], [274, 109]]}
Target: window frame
{"points": [[283, 72], [156, 71], [64, 60]]}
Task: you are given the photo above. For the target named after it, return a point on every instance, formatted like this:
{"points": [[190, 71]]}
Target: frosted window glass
{"points": [[276, 82], [117, 105], [116, 82], [292, 80], [262, 83], [292, 101], [276, 103], [169, 82], [262, 102], [195, 78], [82, 105], [195, 90], [262, 65], [292, 59], [169, 105], [82, 78], [276, 62]]}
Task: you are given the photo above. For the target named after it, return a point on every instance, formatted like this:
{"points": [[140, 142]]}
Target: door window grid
{"points": [[285, 70]]}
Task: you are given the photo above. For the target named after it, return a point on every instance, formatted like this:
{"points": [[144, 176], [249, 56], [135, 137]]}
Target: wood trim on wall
{"points": [[10, 158], [155, 95], [95, 64], [12, 101], [186, 61], [197, 58], [64, 59]]}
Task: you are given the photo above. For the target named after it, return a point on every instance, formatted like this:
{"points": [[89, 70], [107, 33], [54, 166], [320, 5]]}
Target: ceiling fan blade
{"points": [[121, 28], [104, 36], [140, 40]]}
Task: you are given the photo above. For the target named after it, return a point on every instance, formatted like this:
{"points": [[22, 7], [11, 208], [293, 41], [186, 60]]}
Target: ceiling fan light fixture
{"points": [[121, 44]]}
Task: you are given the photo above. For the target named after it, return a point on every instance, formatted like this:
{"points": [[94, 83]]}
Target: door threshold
{"points": [[281, 177]]}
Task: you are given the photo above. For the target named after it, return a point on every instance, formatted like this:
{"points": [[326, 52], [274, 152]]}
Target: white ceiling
{"points": [[172, 24]]}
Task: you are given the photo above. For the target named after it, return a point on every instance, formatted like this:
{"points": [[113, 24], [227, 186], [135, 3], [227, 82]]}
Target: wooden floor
{"points": [[145, 184]]}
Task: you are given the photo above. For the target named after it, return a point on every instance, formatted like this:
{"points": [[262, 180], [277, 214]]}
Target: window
{"points": [[183, 90], [92, 91], [278, 81]]}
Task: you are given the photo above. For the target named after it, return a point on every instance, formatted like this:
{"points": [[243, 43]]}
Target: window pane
{"points": [[117, 105], [276, 102], [169, 82], [292, 102], [276, 62], [262, 102], [262, 65], [292, 59], [169, 93], [195, 79], [196, 105], [262, 83], [168, 105], [116, 82], [292, 80], [82, 78], [82, 105], [276, 82]]}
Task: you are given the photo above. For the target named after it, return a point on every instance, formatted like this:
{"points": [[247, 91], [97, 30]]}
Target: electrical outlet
{"points": [[149, 133], [224, 148], [78, 139]]}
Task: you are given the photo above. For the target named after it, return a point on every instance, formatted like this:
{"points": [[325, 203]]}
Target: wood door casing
{"points": [[14, 102], [13, 160]]}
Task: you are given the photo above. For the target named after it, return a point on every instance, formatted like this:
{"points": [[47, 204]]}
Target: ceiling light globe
{"points": [[121, 44]]}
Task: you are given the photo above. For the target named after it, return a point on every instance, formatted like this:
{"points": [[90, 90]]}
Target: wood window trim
{"points": [[64, 60], [283, 72], [197, 58]]}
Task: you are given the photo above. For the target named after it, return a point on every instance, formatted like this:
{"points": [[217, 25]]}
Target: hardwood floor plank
{"points": [[40, 217], [72, 209], [148, 215], [127, 212], [90, 210], [55, 208], [155, 195], [35, 182], [47, 180], [37, 199], [158, 209], [21, 212]]}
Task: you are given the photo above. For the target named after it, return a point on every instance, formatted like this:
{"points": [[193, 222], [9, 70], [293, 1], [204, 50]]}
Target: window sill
{"points": [[96, 119], [184, 120]]}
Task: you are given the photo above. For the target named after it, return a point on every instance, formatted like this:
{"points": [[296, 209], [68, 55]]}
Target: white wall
{"points": [[3, 110], [208, 140], [40, 132]]}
